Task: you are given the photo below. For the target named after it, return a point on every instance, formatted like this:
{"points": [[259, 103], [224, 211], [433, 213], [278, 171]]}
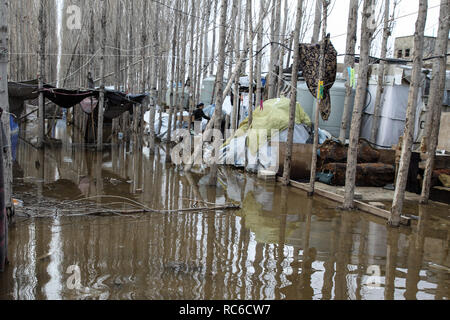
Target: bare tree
{"points": [[317, 21], [323, 47], [219, 82], [381, 72], [4, 104], [416, 78], [101, 102], [293, 103], [349, 62], [435, 101], [41, 77], [360, 99]]}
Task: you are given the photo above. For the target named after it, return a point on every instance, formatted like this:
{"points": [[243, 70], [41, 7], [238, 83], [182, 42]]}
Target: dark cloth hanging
{"points": [[18, 93], [66, 98], [309, 64]]}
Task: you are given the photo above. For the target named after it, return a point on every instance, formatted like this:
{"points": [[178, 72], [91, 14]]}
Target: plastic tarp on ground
{"points": [[164, 123], [274, 116]]}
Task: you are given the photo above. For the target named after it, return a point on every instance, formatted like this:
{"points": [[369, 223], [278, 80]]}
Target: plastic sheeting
{"points": [[164, 123]]}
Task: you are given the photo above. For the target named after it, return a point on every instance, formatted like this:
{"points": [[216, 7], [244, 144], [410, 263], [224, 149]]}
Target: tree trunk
{"points": [[381, 74], [312, 180], [205, 40], [274, 49], [282, 50], [234, 115], [172, 80], [360, 100], [219, 83], [154, 81], [259, 60], [399, 195], [436, 96], [250, 54], [41, 63], [101, 102], [213, 45], [4, 104], [317, 21], [293, 104], [349, 61], [191, 69]]}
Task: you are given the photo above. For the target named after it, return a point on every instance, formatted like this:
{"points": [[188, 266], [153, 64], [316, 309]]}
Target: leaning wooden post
{"points": [[349, 62], [399, 195], [323, 47], [435, 101], [293, 104], [41, 68], [381, 73], [101, 102], [360, 100], [4, 104]]}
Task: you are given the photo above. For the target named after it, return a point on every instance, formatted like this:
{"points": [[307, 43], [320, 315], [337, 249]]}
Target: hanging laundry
{"points": [[309, 61]]}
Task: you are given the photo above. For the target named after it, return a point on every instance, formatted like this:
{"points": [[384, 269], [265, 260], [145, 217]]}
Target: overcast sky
{"points": [[404, 26]]}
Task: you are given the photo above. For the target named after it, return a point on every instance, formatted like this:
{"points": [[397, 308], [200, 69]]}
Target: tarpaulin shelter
{"points": [[65, 98], [19, 92], [117, 103]]}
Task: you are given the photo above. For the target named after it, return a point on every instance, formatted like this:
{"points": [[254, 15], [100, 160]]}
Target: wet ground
{"points": [[279, 245]]}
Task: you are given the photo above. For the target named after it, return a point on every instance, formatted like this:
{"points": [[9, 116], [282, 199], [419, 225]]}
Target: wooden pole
{"points": [[399, 195], [4, 104], [381, 73], [436, 96], [349, 61], [293, 104], [360, 100], [323, 47], [41, 67], [101, 103]]}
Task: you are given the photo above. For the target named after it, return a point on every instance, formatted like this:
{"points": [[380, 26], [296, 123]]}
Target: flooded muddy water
{"points": [[279, 245]]}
